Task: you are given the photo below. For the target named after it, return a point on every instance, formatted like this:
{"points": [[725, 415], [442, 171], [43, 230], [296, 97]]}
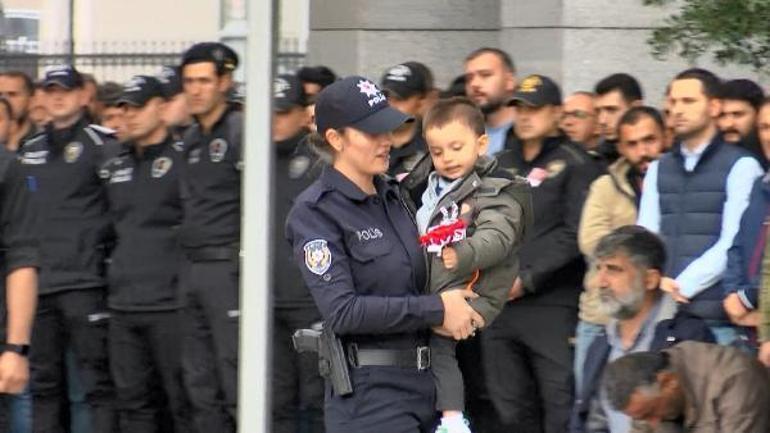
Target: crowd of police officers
{"points": [[134, 233]]}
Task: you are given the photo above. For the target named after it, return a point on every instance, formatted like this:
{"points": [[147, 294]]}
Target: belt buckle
{"points": [[353, 355], [423, 358]]}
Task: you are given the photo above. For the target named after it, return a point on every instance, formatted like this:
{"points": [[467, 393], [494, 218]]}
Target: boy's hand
{"points": [[449, 257]]}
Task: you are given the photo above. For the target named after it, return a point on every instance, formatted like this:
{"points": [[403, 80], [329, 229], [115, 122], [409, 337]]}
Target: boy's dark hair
{"points": [[459, 109], [711, 83], [635, 114], [624, 83], [502, 55]]}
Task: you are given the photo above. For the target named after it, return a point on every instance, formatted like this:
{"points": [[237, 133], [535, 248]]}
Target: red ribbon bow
{"points": [[442, 234]]}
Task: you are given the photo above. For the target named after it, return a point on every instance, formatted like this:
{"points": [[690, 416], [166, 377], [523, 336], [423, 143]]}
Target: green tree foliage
{"points": [[732, 31]]}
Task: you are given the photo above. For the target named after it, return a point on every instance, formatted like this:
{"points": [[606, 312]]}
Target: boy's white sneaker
{"points": [[453, 424]]}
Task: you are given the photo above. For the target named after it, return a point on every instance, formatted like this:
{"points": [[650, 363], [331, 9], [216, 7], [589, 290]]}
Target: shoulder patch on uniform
{"points": [[318, 257]]}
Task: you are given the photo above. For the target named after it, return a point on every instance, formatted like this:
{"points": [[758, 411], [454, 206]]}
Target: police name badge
{"points": [[161, 166], [73, 151], [217, 150], [318, 257]]}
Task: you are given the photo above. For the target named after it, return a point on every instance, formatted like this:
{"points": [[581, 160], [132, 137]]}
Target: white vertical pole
{"points": [[253, 405]]}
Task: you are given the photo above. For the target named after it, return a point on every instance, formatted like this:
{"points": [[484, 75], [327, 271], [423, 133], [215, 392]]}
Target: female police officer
{"points": [[358, 250]]}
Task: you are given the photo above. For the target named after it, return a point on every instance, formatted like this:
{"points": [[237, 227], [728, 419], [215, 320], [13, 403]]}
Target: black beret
{"points": [[225, 59]]}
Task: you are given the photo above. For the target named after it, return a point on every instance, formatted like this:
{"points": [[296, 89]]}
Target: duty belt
{"points": [[418, 358], [212, 254]]}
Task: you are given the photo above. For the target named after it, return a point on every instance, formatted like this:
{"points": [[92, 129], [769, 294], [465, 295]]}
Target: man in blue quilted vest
{"points": [[694, 197]]}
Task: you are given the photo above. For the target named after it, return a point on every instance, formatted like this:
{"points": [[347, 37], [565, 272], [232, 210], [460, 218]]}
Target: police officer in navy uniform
{"points": [[357, 247], [18, 282], [297, 386], [62, 166], [144, 294], [210, 234]]}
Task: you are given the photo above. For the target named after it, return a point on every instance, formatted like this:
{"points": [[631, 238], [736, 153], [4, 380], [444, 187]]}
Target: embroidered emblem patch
{"points": [[217, 150], [161, 166], [318, 257], [73, 151]]}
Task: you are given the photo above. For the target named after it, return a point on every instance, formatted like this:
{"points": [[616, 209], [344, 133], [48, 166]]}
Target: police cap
{"points": [[536, 91], [139, 90], [222, 56], [64, 76], [288, 93], [407, 79], [171, 80], [358, 103]]}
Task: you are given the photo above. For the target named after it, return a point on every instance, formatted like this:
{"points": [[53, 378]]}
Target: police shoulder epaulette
{"points": [[102, 129], [97, 131], [31, 141]]}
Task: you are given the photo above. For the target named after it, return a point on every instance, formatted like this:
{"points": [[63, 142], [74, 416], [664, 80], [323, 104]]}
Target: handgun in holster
{"points": [[332, 363]]}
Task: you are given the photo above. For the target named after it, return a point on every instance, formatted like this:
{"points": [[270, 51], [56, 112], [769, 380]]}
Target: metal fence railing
{"points": [[117, 61]]}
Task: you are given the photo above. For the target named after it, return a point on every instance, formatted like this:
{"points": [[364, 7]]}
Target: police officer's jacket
{"points": [[18, 244], [362, 262], [146, 210], [552, 267], [296, 166], [62, 171], [211, 183]]}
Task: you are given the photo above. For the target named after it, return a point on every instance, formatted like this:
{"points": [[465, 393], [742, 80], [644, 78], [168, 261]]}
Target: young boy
{"points": [[471, 217]]}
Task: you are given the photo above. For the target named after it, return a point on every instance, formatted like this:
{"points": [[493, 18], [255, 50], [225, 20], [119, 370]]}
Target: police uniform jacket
{"points": [[18, 243], [211, 183], [146, 210], [296, 166], [552, 267], [361, 260], [62, 171]]}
